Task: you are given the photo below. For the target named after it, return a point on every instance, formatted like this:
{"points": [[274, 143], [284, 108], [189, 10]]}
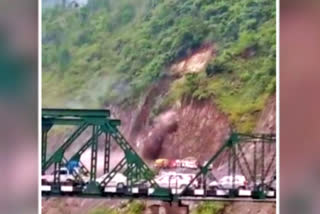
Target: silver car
{"points": [[227, 182]]}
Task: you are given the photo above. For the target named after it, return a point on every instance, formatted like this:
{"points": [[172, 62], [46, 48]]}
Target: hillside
{"points": [[113, 51], [179, 74]]}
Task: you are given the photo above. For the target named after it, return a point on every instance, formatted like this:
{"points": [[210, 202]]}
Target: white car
{"points": [[190, 162], [178, 181], [65, 177], [119, 180], [227, 182]]}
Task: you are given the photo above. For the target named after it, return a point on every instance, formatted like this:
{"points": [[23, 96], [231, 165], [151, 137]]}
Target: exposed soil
{"points": [[144, 111], [250, 208], [197, 129], [76, 205], [195, 62], [267, 120]]}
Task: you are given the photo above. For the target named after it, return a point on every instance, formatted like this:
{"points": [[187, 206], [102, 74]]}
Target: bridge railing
{"points": [[139, 177], [100, 122], [249, 171]]}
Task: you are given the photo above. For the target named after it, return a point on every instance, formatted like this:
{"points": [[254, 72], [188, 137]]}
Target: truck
{"points": [[161, 163], [189, 162]]}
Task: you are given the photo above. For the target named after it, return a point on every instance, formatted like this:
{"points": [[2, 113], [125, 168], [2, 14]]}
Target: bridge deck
{"points": [[147, 193]]}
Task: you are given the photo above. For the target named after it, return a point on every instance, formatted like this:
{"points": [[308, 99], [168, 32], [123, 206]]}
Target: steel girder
{"points": [[233, 147], [100, 122], [134, 167]]}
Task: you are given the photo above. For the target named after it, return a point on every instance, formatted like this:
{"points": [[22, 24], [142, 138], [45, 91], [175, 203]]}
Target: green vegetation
{"points": [[243, 75], [112, 51], [103, 211], [209, 208], [134, 207]]}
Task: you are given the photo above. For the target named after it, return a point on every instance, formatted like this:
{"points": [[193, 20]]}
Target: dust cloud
{"points": [[165, 124]]}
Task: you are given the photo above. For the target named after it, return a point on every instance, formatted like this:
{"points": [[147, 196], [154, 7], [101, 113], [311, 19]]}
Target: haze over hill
{"points": [[179, 74], [52, 3]]}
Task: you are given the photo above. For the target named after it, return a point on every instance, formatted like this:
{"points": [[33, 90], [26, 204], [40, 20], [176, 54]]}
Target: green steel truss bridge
{"points": [[258, 170]]}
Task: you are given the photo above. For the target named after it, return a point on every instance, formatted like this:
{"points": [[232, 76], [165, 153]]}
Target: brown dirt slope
{"points": [[196, 128]]}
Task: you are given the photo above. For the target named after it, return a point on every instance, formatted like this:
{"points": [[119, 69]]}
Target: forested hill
{"points": [[112, 51]]}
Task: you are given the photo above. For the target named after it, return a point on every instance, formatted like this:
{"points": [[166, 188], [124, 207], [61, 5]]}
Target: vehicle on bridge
{"points": [[176, 181], [227, 182], [189, 162], [119, 180], [161, 163], [65, 177], [141, 182]]}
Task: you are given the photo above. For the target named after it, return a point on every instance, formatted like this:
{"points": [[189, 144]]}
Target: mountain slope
{"points": [[112, 51], [179, 74]]}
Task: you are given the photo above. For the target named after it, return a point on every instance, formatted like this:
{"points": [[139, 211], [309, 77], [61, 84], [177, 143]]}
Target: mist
{"points": [[53, 3]]}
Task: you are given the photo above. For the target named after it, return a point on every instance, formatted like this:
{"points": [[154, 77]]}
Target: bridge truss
{"points": [[140, 178]]}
